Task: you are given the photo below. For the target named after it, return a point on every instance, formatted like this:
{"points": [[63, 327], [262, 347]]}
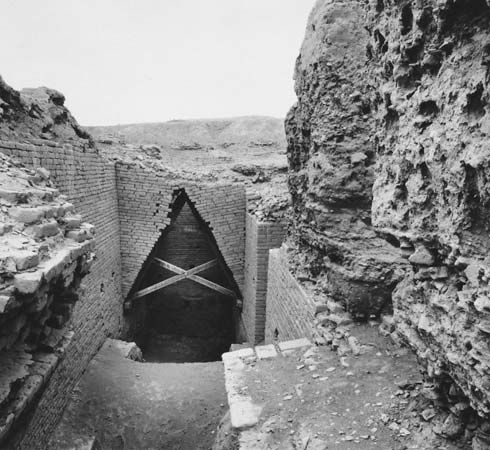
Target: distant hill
{"points": [[249, 150], [188, 134]]}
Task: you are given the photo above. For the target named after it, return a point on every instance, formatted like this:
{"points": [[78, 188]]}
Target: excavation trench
{"points": [[183, 315], [182, 312]]}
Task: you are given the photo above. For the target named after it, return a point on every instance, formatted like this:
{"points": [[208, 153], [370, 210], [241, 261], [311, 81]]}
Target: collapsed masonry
{"points": [[45, 251]]}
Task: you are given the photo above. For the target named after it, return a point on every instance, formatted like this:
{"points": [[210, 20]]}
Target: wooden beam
{"points": [[179, 270], [182, 275], [168, 266], [202, 267], [158, 286], [211, 285]]}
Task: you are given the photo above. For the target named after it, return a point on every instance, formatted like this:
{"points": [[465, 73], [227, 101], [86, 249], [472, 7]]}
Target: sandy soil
{"points": [[130, 405]]}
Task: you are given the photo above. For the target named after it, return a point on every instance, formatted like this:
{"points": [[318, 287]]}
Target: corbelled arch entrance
{"points": [[184, 301]]}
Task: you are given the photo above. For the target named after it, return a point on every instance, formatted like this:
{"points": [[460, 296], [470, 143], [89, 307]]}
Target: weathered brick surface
{"points": [[260, 238], [145, 199], [90, 183], [290, 310]]}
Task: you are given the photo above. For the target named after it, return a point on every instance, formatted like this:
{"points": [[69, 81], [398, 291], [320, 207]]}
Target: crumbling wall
{"points": [[432, 189], [392, 124], [332, 156], [38, 130], [260, 238], [45, 251]]}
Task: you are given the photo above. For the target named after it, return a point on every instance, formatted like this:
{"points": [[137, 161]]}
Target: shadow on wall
{"points": [[184, 321]]}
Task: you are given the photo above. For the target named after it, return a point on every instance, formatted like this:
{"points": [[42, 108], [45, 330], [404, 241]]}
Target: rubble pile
{"points": [[45, 251]]}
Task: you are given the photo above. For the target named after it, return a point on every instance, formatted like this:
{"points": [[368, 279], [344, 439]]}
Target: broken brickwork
{"points": [[45, 251], [89, 183]]}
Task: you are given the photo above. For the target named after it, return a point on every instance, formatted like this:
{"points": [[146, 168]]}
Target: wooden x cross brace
{"points": [[182, 275]]}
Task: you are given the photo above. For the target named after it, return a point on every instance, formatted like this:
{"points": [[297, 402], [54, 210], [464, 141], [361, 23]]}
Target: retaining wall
{"points": [[260, 238], [290, 310], [90, 183]]}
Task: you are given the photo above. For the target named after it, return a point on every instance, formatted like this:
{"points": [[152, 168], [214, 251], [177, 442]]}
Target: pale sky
{"points": [[127, 61]]}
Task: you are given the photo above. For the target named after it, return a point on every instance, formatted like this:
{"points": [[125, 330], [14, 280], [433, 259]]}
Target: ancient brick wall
{"points": [[290, 310], [260, 238], [89, 182], [145, 200]]}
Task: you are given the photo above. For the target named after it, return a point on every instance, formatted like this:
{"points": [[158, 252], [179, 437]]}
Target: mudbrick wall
{"points": [[290, 308], [45, 250], [388, 148], [260, 238], [145, 201], [174, 310], [89, 182]]}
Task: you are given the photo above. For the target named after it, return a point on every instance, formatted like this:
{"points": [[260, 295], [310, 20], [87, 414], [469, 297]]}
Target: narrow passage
{"points": [[128, 405]]}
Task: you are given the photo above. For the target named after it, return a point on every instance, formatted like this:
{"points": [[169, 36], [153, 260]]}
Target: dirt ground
{"points": [[316, 400], [130, 405]]}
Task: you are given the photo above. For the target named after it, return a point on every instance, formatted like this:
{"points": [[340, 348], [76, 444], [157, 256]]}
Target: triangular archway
{"points": [[184, 291]]}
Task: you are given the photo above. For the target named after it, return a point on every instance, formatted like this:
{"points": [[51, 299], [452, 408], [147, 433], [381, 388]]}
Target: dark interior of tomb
{"points": [[186, 321]]}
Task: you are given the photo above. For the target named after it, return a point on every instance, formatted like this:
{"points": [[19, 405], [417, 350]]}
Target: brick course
{"points": [[290, 310], [260, 238]]}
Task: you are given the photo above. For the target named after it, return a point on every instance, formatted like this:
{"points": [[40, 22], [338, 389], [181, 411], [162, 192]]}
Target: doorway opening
{"points": [[184, 300]]}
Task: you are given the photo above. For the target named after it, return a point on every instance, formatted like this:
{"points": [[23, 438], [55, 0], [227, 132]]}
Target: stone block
{"points": [[47, 229], [28, 282], [294, 344], [25, 259], [243, 353], [77, 235], [73, 221], [127, 350], [27, 215], [55, 265], [266, 351]]}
